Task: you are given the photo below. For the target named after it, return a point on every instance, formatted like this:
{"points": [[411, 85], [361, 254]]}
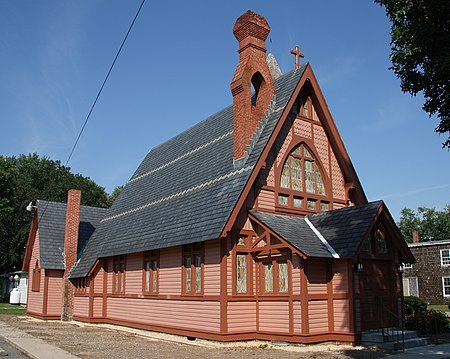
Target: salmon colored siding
{"points": [[212, 268], [341, 315], [318, 316], [193, 315], [297, 317], [266, 200], [81, 306], [317, 276], [241, 317], [55, 291], [274, 316], [170, 271], [98, 307], [340, 277], [295, 274], [35, 301], [133, 275]]}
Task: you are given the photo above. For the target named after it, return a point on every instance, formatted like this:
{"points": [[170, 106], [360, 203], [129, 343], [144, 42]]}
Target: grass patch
{"points": [[6, 308], [443, 308]]}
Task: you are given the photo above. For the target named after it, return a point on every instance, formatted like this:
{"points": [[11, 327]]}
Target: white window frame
{"points": [[443, 286], [406, 285], [407, 265], [445, 260]]}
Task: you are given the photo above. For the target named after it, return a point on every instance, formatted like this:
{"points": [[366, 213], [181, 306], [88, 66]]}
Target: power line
{"points": [[104, 82], [98, 94]]}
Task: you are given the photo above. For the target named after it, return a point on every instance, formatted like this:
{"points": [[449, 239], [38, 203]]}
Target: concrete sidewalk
{"points": [[426, 352], [33, 347]]}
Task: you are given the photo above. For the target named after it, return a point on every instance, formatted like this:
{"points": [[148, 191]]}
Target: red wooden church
{"points": [[251, 224]]}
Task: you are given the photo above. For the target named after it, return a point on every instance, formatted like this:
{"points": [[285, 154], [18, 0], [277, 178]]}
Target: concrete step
{"points": [[378, 337], [409, 343]]}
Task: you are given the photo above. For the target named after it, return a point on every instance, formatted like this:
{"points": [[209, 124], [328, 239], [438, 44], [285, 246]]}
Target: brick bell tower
{"points": [[251, 31]]}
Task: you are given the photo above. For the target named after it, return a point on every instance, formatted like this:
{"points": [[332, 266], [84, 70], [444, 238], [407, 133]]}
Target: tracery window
{"points": [[119, 274], [275, 276], [301, 172], [151, 265], [193, 267]]}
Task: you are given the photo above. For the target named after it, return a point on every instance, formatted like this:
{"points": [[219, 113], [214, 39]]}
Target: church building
{"points": [[252, 224]]}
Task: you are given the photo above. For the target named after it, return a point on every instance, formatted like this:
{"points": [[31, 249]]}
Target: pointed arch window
{"points": [[301, 172]]}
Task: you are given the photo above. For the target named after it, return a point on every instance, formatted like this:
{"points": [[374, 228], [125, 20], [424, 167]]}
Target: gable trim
{"points": [[330, 129], [30, 242], [322, 239]]}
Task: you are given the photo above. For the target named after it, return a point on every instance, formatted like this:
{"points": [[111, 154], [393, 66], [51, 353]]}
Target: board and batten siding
{"points": [[35, 303]]}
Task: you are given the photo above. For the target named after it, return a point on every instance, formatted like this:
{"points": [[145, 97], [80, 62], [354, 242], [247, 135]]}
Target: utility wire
{"points": [[98, 94], [104, 82]]}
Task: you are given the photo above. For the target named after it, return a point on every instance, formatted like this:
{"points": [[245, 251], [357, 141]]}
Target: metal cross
{"points": [[298, 55]]}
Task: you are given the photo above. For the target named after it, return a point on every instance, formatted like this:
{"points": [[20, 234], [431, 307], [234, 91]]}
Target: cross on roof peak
{"points": [[298, 55]]}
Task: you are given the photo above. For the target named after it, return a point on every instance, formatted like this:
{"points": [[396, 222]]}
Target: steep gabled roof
{"points": [[345, 228], [185, 189], [51, 224], [296, 231]]}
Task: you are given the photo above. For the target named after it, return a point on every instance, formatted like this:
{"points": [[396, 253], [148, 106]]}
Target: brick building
{"points": [[429, 277]]}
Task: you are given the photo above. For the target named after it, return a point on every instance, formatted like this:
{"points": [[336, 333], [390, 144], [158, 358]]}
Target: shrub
{"points": [[4, 298], [414, 305], [428, 322]]}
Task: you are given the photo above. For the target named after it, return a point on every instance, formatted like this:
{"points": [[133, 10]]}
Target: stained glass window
{"points": [[241, 273], [198, 274], [301, 171], [283, 277], [311, 205], [283, 200], [367, 245], [268, 277], [151, 264], [298, 202], [324, 206], [154, 276], [187, 265], [380, 242]]}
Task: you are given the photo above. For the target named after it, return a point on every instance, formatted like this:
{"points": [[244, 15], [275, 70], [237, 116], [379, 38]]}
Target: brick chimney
{"points": [[415, 236], [70, 249], [251, 31]]}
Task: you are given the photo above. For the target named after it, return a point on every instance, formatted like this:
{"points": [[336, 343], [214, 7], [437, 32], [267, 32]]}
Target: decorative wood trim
{"points": [[45, 304], [217, 336], [304, 297], [223, 286], [43, 316], [105, 287], [330, 302]]}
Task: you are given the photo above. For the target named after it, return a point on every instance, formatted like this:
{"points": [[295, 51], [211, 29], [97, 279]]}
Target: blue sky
{"points": [[175, 70]]}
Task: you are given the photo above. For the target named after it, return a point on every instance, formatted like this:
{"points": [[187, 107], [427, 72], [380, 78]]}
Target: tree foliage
{"points": [[28, 178], [420, 53], [432, 225]]}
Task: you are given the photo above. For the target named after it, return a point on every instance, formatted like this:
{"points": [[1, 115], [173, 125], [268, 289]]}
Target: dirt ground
{"points": [[106, 341]]}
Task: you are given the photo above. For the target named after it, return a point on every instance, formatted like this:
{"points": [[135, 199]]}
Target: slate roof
{"points": [[52, 221], [344, 229], [296, 231], [185, 189]]}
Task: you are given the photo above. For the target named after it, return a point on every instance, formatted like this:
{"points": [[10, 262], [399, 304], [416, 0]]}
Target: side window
{"points": [[36, 286], [151, 272], [193, 268], [445, 257], [119, 274]]}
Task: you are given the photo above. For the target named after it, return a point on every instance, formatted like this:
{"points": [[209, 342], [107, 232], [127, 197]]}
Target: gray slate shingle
{"points": [[51, 224], [345, 228], [296, 231], [153, 219]]}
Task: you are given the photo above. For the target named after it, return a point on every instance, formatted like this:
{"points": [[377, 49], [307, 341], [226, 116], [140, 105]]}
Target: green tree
{"points": [[432, 225], [115, 194], [27, 178], [420, 53]]}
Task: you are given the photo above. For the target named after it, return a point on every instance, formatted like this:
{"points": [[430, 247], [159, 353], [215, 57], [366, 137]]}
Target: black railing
{"points": [[392, 325]]}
